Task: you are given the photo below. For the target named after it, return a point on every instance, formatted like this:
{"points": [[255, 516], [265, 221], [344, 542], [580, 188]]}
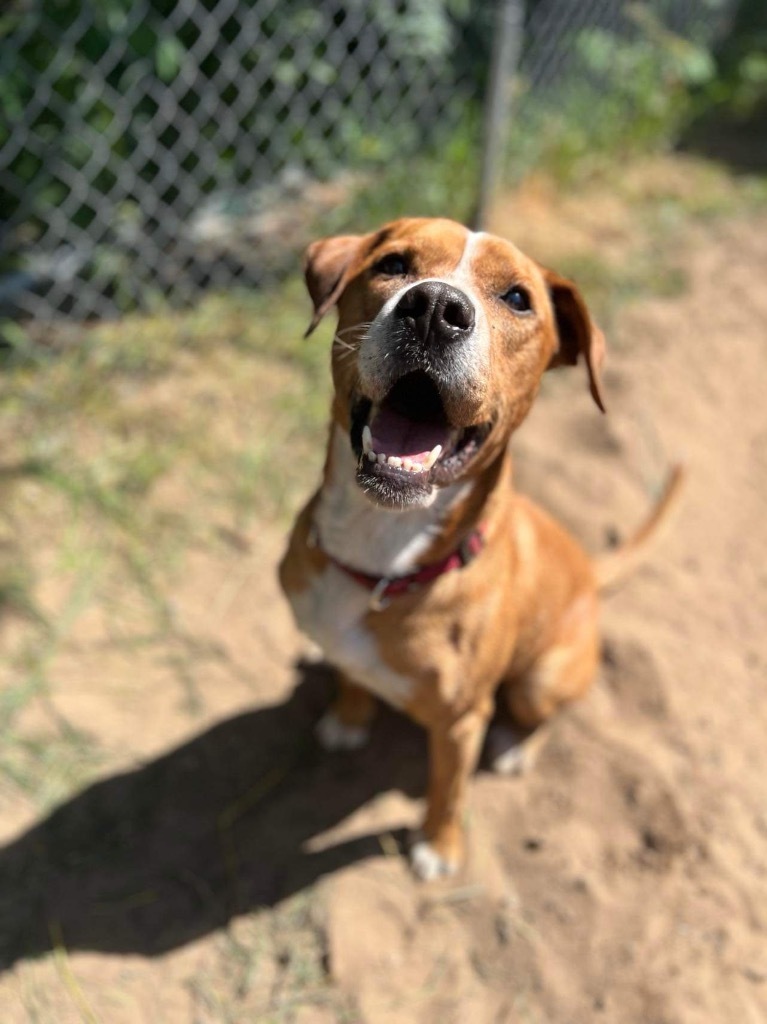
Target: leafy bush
{"points": [[118, 121], [301, 54], [620, 93], [741, 82]]}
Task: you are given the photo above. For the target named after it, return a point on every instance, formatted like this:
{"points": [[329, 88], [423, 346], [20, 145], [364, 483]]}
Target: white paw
{"points": [[507, 750], [332, 734], [427, 864]]}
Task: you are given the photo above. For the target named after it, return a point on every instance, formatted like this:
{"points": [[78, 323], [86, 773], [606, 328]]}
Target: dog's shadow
{"points": [[146, 861]]}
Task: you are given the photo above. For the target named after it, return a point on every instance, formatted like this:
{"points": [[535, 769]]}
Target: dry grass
{"points": [[126, 448]]}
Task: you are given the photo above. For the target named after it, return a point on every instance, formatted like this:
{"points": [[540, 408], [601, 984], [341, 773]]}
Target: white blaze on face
{"points": [[467, 361], [464, 266]]}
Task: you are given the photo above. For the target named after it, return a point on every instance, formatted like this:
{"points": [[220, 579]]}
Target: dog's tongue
{"points": [[398, 435]]}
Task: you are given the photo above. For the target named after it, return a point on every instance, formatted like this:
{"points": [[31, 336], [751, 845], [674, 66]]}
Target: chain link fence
{"points": [[153, 148]]}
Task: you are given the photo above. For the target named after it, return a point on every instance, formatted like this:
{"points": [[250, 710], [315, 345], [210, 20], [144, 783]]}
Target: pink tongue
{"points": [[397, 435]]}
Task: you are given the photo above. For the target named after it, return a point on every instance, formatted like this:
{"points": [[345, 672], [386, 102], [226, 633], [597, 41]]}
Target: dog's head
{"points": [[443, 337]]}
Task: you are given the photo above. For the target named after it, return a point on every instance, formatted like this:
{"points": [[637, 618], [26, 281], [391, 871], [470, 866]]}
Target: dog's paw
{"points": [[333, 734], [507, 751], [428, 864]]}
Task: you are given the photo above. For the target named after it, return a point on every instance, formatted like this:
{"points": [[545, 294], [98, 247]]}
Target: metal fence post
{"points": [[507, 45]]}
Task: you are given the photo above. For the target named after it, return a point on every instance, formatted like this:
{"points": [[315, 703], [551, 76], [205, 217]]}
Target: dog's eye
{"points": [[518, 299], [392, 265]]}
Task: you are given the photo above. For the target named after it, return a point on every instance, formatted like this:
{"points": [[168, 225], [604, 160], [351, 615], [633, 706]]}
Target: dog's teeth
{"points": [[395, 461], [432, 457]]}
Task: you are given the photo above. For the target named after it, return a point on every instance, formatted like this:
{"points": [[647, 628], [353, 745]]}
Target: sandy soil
{"points": [[233, 872]]}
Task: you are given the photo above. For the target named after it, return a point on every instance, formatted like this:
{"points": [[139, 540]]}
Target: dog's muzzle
{"points": [[415, 422]]}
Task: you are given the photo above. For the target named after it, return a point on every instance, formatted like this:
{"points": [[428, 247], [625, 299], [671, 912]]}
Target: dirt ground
{"points": [[223, 869]]}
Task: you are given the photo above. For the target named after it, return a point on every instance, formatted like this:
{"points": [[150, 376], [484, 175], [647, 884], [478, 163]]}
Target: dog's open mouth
{"points": [[406, 444]]}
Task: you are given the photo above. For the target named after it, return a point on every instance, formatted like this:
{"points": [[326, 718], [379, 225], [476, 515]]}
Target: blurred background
{"points": [[154, 150], [175, 848]]}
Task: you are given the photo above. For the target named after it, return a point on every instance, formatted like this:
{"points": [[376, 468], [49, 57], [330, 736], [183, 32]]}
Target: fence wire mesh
{"points": [[156, 147]]}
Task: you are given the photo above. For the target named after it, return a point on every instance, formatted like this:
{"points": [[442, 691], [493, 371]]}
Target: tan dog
{"points": [[417, 569]]}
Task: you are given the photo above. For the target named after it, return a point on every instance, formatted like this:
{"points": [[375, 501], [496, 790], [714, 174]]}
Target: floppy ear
{"points": [[577, 333], [325, 265]]}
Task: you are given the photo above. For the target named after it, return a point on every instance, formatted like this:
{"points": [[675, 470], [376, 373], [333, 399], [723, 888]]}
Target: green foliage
{"points": [[138, 59], [133, 103], [623, 93], [439, 182], [741, 83]]}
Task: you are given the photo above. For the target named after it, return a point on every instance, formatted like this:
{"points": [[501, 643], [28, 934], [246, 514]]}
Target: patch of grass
{"points": [[610, 286], [17, 588], [47, 768], [128, 446], [268, 966]]}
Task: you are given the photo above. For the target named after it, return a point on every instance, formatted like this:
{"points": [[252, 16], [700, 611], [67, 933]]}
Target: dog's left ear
{"points": [[577, 333], [325, 266]]}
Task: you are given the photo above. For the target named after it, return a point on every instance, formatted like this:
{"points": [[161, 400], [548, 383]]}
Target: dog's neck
{"points": [[381, 541]]}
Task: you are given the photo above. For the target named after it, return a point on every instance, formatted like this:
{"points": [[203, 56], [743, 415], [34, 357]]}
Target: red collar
{"points": [[385, 587]]}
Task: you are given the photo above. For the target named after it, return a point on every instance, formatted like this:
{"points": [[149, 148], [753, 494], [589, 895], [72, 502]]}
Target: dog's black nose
{"points": [[438, 312]]}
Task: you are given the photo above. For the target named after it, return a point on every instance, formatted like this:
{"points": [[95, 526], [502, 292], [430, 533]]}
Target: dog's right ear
{"points": [[325, 268]]}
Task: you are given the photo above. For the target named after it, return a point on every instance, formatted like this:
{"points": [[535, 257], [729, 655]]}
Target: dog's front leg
{"points": [[454, 748], [346, 723]]}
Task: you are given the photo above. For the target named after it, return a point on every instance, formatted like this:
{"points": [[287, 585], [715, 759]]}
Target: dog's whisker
{"points": [[343, 355], [343, 344], [363, 325]]}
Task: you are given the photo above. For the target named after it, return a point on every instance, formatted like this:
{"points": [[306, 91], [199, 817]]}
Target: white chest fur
{"points": [[377, 541], [331, 611]]}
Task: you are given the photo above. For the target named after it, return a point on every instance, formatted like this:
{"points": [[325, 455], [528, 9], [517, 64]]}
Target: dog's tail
{"points": [[612, 566]]}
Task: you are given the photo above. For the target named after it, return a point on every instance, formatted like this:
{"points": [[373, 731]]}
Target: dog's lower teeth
{"points": [[411, 465]]}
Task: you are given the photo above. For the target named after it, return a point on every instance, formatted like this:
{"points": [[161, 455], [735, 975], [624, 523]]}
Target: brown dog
{"points": [[422, 575]]}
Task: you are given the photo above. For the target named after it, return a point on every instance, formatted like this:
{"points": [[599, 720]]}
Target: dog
{"points": [[424, 577]]}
